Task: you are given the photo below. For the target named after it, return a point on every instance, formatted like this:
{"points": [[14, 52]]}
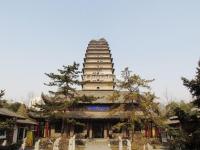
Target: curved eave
{"points": [[92, 68], [98, 45], [113, 70], [100, 115], [86, 55], [98, 63], [100, 75], [98, 58], [99, 49], [98, 82]]}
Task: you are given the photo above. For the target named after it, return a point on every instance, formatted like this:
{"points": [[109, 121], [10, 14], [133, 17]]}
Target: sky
{"points": [[155, 39]]}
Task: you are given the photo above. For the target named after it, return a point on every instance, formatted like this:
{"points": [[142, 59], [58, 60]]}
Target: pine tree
{"points": [[189, 120], [58, 102], [2, 92], [8, 123], [65, 80], [138, 93], [188, 115], [194, 86]]}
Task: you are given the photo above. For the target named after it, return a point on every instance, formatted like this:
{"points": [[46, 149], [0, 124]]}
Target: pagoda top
{"points": [[99, 40], [102, 39]]}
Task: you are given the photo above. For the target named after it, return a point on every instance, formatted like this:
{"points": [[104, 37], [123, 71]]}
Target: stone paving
{"points": [[97, 145]]}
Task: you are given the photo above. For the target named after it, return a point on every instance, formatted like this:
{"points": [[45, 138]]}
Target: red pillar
{"points": [[46, 129], [150, 130], [37, 130], [146, 131]]}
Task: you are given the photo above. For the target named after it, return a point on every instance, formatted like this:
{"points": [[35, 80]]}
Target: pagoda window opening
{"points": [[98, 87]]}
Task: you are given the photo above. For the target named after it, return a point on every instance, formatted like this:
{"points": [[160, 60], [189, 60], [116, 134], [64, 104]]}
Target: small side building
{"points": [[17, 129]]}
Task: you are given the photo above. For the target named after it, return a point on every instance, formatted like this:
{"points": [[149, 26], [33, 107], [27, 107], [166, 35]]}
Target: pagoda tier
{"points": [[98, 71]]}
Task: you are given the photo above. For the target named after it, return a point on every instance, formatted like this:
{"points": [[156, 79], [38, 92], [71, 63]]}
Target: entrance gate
{"points": [[97, 130]]}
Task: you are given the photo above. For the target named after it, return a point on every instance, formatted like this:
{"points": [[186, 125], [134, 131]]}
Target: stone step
{"points": [[97, 140], [161, 148], [97, 144]]}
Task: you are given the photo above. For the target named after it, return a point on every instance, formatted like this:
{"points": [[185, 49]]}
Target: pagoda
{"points": [[98, 71], [96, 118]]}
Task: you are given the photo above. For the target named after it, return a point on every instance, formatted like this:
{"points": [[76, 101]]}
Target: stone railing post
{"points": [[37, 145], [23, 144], [128, 144], [72, 143], [120, 143], [4, 143], [56, 144], [147, 147]]}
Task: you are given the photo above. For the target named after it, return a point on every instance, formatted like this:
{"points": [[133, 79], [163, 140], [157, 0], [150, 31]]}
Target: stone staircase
{"points": [[161, 147], [97, 144]]}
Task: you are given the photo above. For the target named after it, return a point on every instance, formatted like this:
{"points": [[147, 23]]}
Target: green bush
{"points": [[11, 147]]}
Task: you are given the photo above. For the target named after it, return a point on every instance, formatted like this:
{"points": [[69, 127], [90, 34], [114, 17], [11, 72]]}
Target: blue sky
{"points": [[154, 38]]}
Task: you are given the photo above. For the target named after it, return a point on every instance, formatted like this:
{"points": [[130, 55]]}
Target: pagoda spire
{"points": [[98, 70]]}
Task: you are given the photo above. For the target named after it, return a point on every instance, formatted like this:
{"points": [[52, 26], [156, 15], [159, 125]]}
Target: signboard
{"points": [[98, 108]]}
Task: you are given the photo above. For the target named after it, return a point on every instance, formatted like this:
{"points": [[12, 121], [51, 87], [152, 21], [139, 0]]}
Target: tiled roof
{"points": [[26, 121], [99, 115], [169, 122], [6, 112], [103, 96]]}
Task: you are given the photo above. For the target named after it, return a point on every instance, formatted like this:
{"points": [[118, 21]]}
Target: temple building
{"points": [[97, 117]]}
